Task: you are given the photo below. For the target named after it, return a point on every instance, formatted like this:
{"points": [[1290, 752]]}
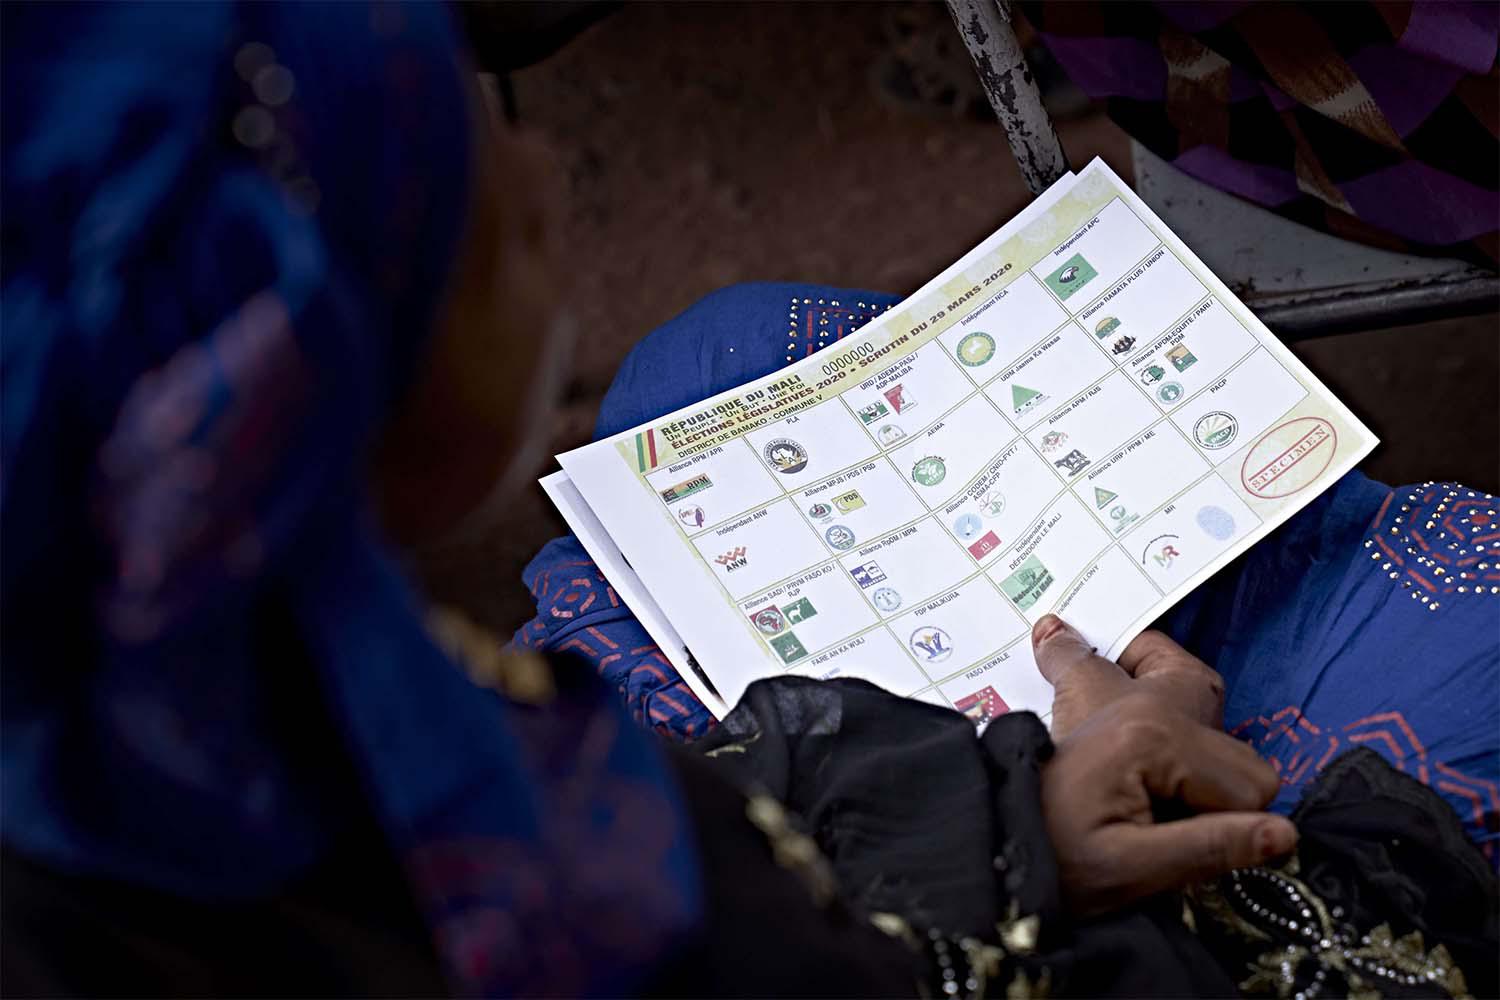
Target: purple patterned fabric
{"points": [[1377, 122]]}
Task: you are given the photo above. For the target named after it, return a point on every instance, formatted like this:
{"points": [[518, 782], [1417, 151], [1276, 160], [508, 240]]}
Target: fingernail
{"points": [[1046, 627], [1275, 837]]}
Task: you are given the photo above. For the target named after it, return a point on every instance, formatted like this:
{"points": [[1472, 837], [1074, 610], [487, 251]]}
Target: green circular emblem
{"points": [[1171, 392], [929, 471], [1215, 430], [975, 349]]}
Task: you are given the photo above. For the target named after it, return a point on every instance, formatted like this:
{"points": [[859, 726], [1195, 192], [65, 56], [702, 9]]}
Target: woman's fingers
{"points": [[1190, 685], [1160, 857], [1102, 790], [1085, 682], [1061, 650], [1207, 770], [1082, 681], [1153, 651]]}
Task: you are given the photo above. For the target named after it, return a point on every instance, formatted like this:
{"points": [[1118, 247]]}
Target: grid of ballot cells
{"points": [[1053, 450]]}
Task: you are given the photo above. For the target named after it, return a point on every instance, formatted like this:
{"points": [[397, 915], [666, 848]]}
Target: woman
{"points": [[256, 259]]}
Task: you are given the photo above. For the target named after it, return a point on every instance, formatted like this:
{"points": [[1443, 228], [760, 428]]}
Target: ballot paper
{"points": [[1077, 417]]}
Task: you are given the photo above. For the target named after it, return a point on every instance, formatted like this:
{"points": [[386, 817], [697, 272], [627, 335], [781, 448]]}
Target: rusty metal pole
{"points": [[1007, 81]]}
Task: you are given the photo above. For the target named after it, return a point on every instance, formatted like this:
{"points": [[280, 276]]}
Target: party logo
{"points": [[785, 456], [788, 647], [840, 537], [1152, 374], [1072, 463], [987, 543], [769, 621], [1161, 550], [900, 398], [733, 559], [931, 643], [1072, 276], [1216, 430], [686, 488], [976, 349], [799, 611], [1023, 399], [968, 526], [982, 706], [1182, 359], [929, 471], [1028, 583], [873, 412], [848, 501], [1120, 518]]}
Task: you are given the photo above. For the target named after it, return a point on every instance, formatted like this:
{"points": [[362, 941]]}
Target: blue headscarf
{"points": [[226, 230]]}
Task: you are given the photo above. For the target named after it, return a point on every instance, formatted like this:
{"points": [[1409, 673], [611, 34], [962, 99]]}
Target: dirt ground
{"points": [[708, 144]]}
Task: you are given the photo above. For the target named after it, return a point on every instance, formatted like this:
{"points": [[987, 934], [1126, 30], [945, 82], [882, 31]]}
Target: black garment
{"points": [[920, 828], [764, 933], [918, 817], [1384, 875]]}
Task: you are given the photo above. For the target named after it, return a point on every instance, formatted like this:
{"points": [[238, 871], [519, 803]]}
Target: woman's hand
{"points": [[1083, 682], [1138, 734]]}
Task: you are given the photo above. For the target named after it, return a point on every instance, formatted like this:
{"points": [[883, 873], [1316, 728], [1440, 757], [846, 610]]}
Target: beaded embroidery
{"points": [[813, 325], [1315, 952], [1443, 541], [979, 964]]}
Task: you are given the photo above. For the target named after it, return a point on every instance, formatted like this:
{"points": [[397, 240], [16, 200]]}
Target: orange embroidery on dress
{"points": [[1387, 729]]}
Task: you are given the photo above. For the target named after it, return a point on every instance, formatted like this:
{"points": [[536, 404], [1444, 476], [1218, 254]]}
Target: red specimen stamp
{"points": [[1289, 457]]}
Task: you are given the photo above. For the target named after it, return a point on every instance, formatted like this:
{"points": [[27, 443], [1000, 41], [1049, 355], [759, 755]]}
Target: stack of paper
{"points": [[1076, 417]]}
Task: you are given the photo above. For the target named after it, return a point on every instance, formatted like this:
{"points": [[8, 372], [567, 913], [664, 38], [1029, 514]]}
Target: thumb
{"points": [[1064, 656], [1168, 856]]}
